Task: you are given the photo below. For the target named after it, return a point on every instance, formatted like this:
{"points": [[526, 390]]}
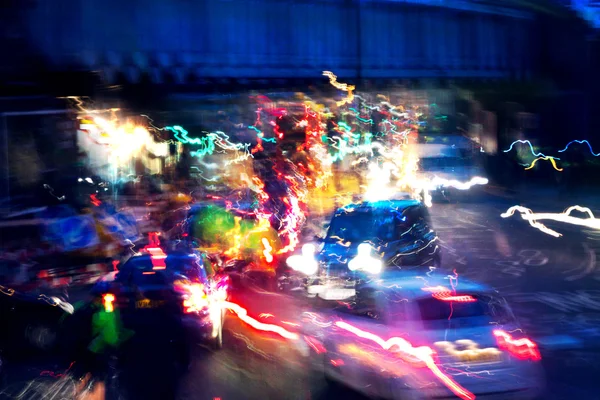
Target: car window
{"points": [[359, 226], [140, 269], [190, 267], [351, 226], [414, 215], [482, 306]]}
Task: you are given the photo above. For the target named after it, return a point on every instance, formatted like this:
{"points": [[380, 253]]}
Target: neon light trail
{"points": [[528, 215], [242, 314], [341, 86], [353, 136], [580, 142], [545, 158], [477, 180], [530, 148], [422, 353]]}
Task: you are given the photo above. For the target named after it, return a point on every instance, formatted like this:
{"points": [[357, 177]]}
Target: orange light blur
{"points": [[108, 300], [197, 300]]}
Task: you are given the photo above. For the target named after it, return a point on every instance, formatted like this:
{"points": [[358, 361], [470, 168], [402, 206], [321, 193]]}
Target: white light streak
{"points": [[590, 222]]}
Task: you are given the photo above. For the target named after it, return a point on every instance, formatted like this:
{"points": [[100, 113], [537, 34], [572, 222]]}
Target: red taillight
{"points": [[108, 301], [448, 296], [445, 294], [315, 344], [196, 299], [523, 349]]}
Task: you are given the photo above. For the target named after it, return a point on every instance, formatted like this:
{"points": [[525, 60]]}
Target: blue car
{"points": [[366, 239], [406, 336], [154, 290]]}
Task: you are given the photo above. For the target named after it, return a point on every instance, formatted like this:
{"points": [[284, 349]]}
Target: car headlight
{"points": [[364, 261], [305, 263], [64, 305]]}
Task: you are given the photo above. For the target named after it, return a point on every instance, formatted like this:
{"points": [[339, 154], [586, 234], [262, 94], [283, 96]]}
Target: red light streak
{"points": [[523, 348], [95, 200], [316, 345], [278, 132], [153, 239], [242, 314], [422, 353], [157, 255], [336, 363], [156, 252]]}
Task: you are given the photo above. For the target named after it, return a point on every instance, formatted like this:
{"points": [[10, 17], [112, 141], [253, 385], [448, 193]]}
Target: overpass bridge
{"points": [[184, 42]]}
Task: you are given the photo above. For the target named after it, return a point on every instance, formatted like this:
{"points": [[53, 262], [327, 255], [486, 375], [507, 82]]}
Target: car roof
{"points": [[380, 205], [411, 285]]}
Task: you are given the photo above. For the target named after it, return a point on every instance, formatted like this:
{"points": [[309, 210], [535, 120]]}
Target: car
{"points": [[32, 321], [155, 289], [412, 337], [368, 238], [451, 166]]}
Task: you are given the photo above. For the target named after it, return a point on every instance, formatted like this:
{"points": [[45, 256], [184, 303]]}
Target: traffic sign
{"points": [[74, 233], [109, 222]]}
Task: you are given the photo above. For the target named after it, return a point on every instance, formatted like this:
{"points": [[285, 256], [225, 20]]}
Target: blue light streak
{"points": [[530, 148], [580, 142]]}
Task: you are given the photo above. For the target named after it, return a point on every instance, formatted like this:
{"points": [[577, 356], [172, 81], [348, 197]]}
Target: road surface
{"points": [[553, 285]]}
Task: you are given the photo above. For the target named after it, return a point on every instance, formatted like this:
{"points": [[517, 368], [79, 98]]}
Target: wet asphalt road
{"points": [[553, 285]]}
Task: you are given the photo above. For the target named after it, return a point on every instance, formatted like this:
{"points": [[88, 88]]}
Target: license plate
{"points": [[337, 294], [148, 303], [479, 358], [468, 351]]}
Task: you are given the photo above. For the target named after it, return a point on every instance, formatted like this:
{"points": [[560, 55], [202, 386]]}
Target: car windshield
{"points": [[358, 226], [385, 225]]}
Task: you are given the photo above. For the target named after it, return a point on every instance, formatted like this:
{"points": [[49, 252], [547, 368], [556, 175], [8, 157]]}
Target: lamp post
{"points": [[358, 40]]}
